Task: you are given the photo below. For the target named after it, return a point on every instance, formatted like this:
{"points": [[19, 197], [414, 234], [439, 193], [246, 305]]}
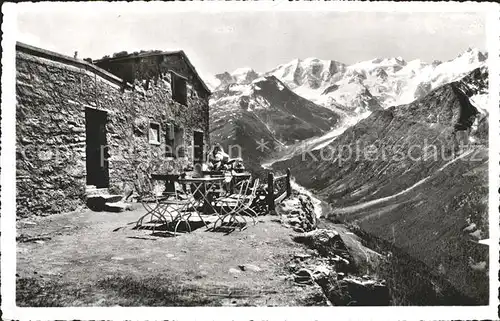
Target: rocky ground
{"points": [[98, 259]]}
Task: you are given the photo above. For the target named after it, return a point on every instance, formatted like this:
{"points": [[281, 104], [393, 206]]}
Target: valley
{"points": [[400, 157]]}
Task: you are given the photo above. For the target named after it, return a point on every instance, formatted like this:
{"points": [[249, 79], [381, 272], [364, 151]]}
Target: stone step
{"points": [[117, 207], [97, 191], [98, 202], [112, 198], [107, 198]]}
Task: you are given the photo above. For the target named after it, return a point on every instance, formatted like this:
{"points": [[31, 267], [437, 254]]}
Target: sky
{"points": [[223, 41]]}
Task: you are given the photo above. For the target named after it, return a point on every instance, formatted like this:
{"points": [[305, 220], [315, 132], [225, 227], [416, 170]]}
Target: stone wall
{"points": [[52, 96]]}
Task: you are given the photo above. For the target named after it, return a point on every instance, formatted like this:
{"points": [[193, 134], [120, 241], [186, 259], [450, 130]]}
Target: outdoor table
{"points": [[202, 191], [202, 188], [244, 175], [213, 173], [169, 203], [169, 179], [235, 178], [165, 176]]}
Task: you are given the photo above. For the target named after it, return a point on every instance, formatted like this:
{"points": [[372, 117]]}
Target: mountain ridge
{"points": [[263, 116], [361, 89], [374, 83]]}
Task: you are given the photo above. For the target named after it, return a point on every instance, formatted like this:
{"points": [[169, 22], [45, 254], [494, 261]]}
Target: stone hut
{"points": [[84, 126]]}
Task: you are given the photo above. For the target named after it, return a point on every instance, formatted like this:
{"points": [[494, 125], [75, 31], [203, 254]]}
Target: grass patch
{"points": [[35, 292], [154, 291], [110, 291]]}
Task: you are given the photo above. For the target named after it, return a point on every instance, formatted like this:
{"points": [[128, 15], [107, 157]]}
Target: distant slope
{"points": [[263, 115], [402, 175], [438, 222]]}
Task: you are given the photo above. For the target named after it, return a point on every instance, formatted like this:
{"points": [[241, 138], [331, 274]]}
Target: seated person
{"points": [[219, 160], [238, 166]]}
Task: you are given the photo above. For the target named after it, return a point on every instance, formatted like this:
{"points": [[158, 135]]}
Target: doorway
{"points": [[96, 151], [197, 148]]}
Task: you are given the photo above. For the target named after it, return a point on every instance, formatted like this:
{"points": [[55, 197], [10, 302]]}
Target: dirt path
{"points": [[97, 259]]}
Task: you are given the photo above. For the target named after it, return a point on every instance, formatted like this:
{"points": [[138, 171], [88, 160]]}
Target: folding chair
{"points": [[159, 206], [238, 204]]}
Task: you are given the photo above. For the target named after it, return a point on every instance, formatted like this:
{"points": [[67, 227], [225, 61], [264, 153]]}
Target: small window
{"points": [[175, 141], [169, 139], [154, 133], [179, 89], [179, 142]]}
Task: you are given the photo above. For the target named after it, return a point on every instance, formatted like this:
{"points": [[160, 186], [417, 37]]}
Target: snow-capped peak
{"points": [[365, 85], [378, 63], [242, 71], [471, 55], [244, 75], [212, 81], [310, 60], [415, 63], [308, 74]]}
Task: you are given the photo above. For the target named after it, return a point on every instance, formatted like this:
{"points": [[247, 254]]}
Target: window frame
{"points": [[173, 143], [169, 141], [173, 74], [179, 132], [204, 156], [158, 128]]}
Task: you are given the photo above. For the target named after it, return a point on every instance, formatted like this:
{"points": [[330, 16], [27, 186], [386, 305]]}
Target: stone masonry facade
{"points": [[53, 93]]}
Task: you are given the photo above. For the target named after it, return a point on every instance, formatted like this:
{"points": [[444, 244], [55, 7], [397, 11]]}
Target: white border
{"points": [[493, 48], [8, 246], [8, 162], [266, 5]]}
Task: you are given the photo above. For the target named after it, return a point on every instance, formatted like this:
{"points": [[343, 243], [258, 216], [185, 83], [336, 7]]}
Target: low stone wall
{"points": [[298, 212]]}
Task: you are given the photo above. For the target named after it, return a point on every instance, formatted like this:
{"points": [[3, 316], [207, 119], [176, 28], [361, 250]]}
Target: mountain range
{"points": [[361, 86], [286, 105]]}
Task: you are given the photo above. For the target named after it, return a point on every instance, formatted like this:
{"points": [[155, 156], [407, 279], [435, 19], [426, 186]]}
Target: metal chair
{"points": [[238, 204], [159, 206]]}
